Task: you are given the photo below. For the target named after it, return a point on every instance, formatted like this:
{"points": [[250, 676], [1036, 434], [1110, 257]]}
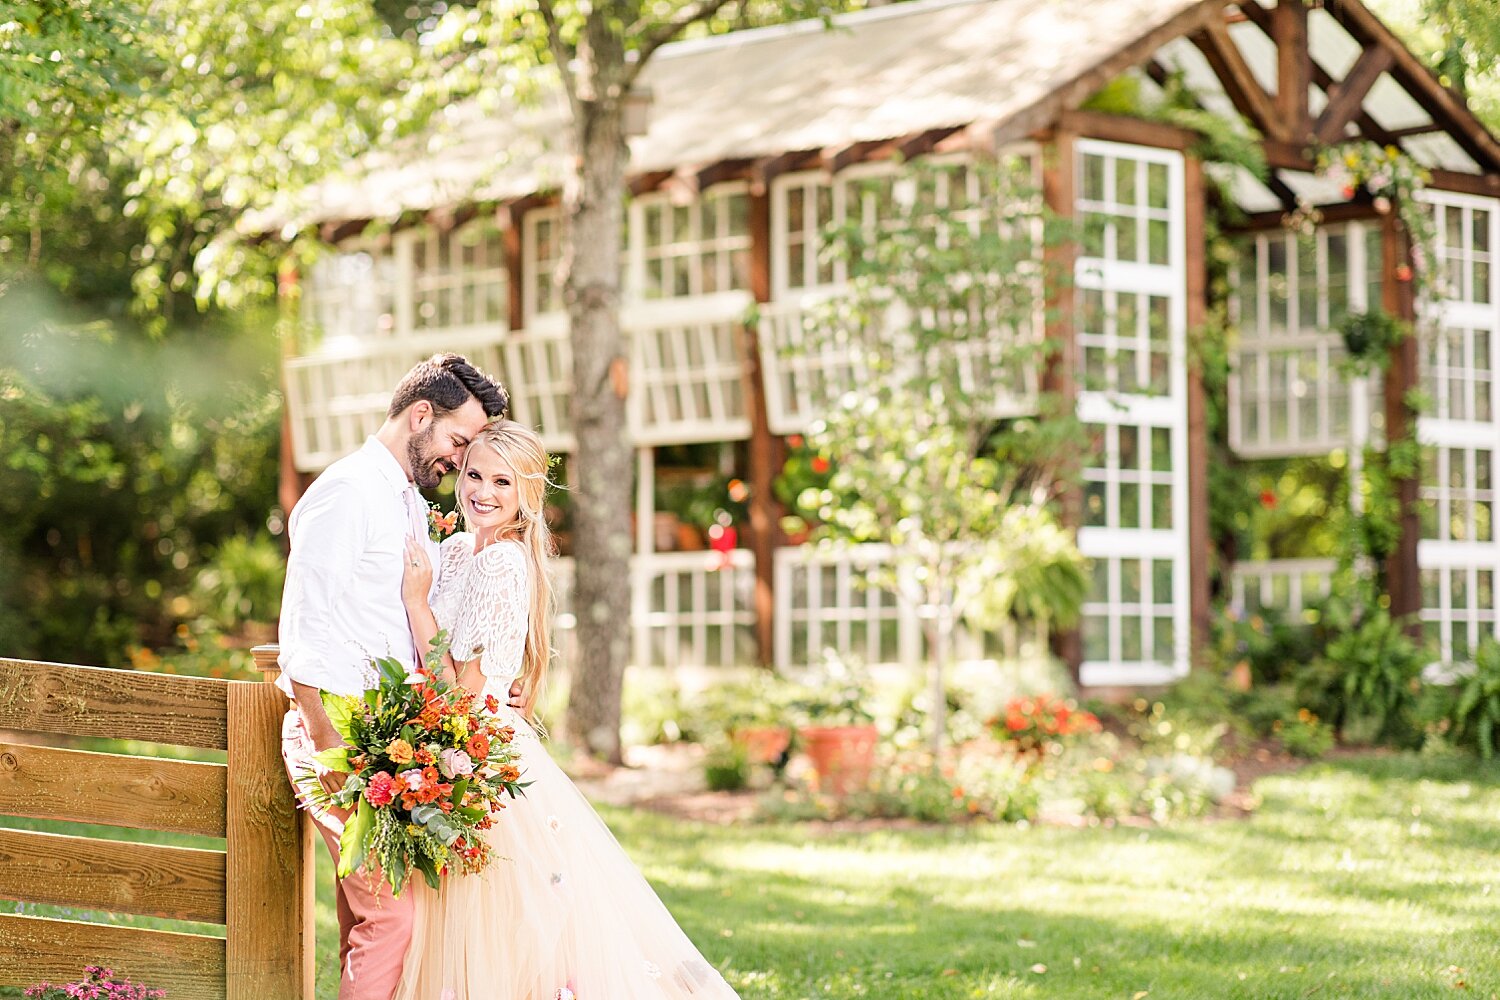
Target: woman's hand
{"points": [[416, 581]]}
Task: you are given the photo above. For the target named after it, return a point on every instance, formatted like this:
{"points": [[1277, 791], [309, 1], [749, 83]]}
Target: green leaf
{"points": [[356, 836], [391, 670], [429, 871], [340, 709], [335, 759]]}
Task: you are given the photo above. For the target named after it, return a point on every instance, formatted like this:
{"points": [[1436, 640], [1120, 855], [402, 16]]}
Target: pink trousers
{"points": [[374, 927]]}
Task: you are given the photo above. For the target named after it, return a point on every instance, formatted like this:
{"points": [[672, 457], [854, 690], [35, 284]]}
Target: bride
{"points": [[560, 913]]}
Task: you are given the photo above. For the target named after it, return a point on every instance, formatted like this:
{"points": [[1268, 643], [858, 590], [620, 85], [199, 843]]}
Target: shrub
{"points": [[1162, 730], [1371, 671], [727, 767], [1476, 711], [1305, 735], [1267, 641], [242, 581], [1043, 723], [837, 695]]}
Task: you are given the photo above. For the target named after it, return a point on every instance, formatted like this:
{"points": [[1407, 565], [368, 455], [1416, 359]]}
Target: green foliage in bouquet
{"points": [[426, 770]]}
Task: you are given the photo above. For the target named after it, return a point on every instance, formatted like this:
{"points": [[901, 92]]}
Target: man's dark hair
{"points": [[447, 381]]}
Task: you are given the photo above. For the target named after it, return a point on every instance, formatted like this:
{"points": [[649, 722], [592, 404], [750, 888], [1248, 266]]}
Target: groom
{"points": [[342, 605]]}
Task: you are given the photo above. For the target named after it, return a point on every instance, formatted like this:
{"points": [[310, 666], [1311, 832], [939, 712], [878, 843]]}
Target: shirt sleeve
{"points": [[497, 611], [328, 535]]}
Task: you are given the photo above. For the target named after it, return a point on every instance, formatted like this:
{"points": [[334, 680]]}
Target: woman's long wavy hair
{"points": [[520, 448]]}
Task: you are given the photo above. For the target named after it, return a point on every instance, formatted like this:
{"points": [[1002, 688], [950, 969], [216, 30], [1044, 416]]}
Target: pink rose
{"points": [[412, 779], [453, 762]]}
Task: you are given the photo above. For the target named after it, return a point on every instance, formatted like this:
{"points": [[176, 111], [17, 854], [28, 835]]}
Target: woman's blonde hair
{"points": [[521, 448]]}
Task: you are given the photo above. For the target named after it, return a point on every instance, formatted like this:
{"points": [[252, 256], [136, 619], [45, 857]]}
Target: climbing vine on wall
{"points": [[1393, 182]]}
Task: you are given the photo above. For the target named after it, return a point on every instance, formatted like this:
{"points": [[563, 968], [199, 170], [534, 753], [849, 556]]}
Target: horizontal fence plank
{"points": [[187, 966], [148, 793], [115, 704], [179, 883]]}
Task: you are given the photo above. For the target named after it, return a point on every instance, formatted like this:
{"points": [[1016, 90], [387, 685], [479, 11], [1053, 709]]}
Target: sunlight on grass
{"points": [[1364, 878]]}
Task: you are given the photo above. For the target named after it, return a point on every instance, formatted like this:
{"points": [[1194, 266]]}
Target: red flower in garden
{"points": [[1043, 723], [795, 440], [1403, 273], [1268, 499], [819, 464]]}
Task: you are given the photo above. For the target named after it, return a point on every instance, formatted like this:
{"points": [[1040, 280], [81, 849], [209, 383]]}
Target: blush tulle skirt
{"points": [[559, 908]]}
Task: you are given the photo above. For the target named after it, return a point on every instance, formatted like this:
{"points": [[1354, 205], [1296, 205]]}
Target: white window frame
{"points": [[535, 270], [1276, 363], [1444, 434], [695, 247], [459, 284], [1114, 544]]}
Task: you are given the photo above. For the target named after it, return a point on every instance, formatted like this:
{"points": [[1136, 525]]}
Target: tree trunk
{"points": [[942, 645], [593, 203]]}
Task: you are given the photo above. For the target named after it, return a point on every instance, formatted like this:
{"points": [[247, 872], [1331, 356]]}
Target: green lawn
{"points": [[1363, 878], [1369, 877]]}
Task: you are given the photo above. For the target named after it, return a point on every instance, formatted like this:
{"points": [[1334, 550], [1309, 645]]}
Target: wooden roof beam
{"points": [[1234, 73], [765, 170], [334, 233], [645, 183], [1293, 66], [1347, 98], [1437, 100], [837, 159], [923, 143], [1398, 134], [1281, 190], [1261, 18]]}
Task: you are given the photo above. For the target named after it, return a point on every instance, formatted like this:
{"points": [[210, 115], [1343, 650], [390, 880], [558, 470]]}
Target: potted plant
{"points": [[754, 715], [836, 728]]}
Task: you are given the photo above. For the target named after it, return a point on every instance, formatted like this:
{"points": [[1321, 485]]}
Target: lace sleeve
{"points": [[496, 611], [451, 554]]}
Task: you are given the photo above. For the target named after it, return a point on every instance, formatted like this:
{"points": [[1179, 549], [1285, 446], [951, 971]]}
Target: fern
{"points": [[1477, 710]]}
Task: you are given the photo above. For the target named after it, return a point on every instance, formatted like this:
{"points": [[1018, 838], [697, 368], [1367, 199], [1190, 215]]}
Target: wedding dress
{"points": [[560, 912]]}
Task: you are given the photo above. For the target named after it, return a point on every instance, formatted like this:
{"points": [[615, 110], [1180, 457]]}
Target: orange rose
{"points": [[399, 751]]}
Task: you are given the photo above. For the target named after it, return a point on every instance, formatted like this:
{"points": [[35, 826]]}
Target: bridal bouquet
{"points": [[426, 772]]}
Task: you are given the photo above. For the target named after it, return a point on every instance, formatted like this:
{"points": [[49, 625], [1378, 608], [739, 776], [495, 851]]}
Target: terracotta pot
{"points": [[689, 538], [843, 756], [764, 744], [665, 531]]}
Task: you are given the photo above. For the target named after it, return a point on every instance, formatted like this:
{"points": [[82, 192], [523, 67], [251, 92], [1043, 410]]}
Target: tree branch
{"points": [[560, 54], [664, 33]]}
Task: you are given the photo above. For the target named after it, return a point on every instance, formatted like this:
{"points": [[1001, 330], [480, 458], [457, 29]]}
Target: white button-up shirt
{"points": [[342, 602]]}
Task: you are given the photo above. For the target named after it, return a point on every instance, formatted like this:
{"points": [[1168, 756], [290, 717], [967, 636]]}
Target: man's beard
{"points": [[427, 470]]}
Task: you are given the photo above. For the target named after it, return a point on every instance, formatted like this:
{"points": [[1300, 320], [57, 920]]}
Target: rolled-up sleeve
{"points": [[328, 536]]}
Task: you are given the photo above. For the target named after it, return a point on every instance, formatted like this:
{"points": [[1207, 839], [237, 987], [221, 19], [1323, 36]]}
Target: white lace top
{"points": [[484, 602]]}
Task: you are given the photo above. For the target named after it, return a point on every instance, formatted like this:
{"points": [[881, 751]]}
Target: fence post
{"points": [[270, 925]]}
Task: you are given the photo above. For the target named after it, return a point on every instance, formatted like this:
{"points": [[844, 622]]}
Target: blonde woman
{"points": [[560, 912]]}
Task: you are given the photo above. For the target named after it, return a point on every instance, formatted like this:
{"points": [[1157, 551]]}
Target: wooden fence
{"points": [[259, 887]]}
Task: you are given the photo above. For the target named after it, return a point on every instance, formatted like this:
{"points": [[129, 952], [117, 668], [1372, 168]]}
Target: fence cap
{"points": [[266, 660]]}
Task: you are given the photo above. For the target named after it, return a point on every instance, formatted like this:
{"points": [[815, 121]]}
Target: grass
{"points": [[1361, 877]]}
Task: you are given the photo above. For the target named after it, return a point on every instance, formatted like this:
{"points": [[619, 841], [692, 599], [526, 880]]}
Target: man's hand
{"points": [[320, 731], [515, 696]]}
